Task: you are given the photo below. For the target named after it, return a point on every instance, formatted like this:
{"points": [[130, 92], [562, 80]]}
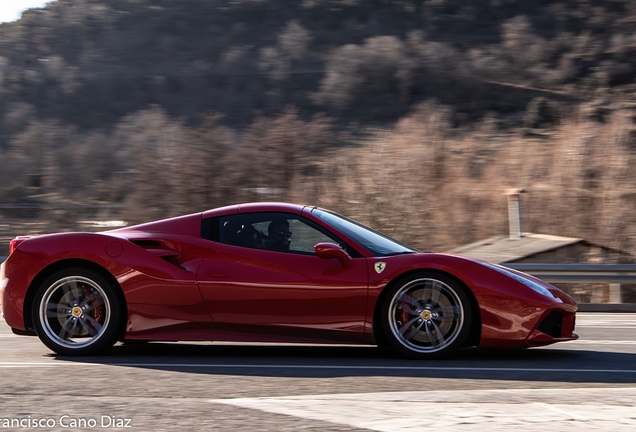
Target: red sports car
{"points": [[269, 272]]}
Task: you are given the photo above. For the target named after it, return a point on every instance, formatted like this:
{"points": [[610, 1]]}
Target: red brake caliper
{"points": [[98, 312]]}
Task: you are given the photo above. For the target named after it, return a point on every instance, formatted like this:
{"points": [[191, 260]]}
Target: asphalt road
{"points": [[589, 384]]}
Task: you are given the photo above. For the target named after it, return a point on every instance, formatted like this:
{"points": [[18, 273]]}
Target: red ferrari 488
{"points": [[269, 272]]}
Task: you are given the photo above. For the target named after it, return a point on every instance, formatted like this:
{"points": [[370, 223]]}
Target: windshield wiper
{"points": [[400, 253]]}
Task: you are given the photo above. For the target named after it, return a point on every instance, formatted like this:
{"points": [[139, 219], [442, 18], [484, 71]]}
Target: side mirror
{"points": [[332, 250]]}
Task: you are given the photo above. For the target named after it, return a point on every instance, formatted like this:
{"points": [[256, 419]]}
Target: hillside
{"points": [[139, 109], [91, 62]]}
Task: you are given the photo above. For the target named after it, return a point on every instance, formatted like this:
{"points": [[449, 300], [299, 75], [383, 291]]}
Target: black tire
{"points": [[76, 312], [426, 315]]}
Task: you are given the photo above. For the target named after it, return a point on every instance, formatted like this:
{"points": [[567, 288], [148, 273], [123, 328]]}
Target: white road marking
{"points": [[311, 367], [462, 410], [560, 411], [603, 324], [602, 342]]}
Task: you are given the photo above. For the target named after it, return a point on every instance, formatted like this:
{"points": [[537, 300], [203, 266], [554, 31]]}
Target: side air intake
{"points": [[552, 324]]}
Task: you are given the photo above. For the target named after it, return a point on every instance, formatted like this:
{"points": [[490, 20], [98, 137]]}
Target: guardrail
{"points": [[612, 274], [579, 273]]}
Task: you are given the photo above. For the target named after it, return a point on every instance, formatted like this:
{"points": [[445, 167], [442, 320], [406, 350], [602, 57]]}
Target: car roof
{"points": [[191, 224], [262, 207]]}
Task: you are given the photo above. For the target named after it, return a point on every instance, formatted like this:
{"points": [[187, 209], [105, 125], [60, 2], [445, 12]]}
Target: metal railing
{"points": [[579, 273], [612, 274]]}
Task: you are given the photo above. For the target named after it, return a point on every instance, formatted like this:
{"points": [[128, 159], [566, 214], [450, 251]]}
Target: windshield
{"points": [[376, 243]]}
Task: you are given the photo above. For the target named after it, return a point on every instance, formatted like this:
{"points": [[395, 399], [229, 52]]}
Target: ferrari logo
{"points": [[379, 267]]}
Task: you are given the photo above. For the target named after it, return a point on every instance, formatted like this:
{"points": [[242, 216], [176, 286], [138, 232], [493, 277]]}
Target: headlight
{"points": [[520, 277]]}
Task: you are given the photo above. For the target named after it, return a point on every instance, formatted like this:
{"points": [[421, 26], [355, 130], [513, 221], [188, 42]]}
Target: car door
{"points": [[250, 286]]}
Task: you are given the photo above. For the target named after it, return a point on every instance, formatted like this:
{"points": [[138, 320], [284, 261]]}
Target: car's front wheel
{"points": [[76, 311], [426, 315]]}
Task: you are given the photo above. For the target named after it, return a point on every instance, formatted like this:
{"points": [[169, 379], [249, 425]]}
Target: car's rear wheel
{"points": [[76, 311], [426, 315]]}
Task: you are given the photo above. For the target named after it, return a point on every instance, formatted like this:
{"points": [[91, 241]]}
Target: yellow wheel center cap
{"points": [[426, 315], [77, 312]]}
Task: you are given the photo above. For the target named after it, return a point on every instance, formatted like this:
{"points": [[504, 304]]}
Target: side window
{"points": [[240, 231], [280, 232]]}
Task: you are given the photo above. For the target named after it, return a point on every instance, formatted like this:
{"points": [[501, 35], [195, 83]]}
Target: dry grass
{"points": [[422, 181], [436, 189]]}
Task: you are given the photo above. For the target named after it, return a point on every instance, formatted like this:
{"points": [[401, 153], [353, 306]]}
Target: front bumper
{"points": [[556, 326]]}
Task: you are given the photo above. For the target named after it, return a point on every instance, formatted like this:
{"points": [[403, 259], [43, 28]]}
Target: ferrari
{"points": [[269, 272]]}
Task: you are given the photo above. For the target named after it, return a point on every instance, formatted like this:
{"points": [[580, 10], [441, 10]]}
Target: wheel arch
{"points": [[60, 265], [475, 330]]}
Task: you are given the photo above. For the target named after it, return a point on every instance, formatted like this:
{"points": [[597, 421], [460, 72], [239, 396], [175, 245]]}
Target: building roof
{"points": [[501, 249]]}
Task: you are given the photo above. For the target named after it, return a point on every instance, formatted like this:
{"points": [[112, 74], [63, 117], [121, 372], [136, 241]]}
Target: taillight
{"points": [[14, 243]]}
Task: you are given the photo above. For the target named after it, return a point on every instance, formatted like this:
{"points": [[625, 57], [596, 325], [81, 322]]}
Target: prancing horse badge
{"points": [[379, 267]]}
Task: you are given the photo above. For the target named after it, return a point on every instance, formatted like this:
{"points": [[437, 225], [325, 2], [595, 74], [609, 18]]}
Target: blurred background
{"points": [[410, 116]]}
